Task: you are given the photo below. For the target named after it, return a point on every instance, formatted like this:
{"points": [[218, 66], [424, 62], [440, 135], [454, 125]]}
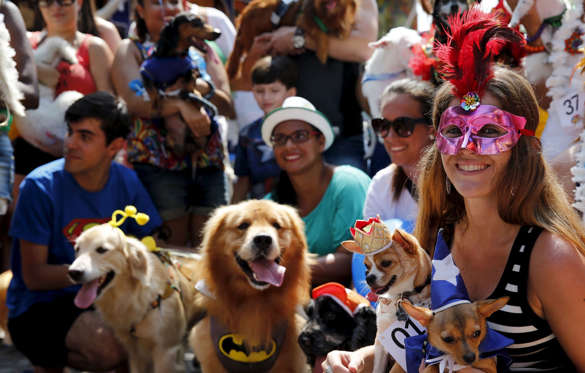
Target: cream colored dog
{"points": [[146, 300]]}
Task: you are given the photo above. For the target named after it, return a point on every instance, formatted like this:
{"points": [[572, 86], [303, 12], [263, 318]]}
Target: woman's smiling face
{"points": [[474, 175], [296, 157]]}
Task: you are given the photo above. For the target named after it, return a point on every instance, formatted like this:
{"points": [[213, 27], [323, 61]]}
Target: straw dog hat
{"points": [[297, 108]]}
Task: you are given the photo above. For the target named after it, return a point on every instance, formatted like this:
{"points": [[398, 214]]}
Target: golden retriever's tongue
{"points": [[87, 294], [268, 271]]}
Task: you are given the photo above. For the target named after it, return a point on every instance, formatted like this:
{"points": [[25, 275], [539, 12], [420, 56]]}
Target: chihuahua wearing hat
{"points": [[397, 268]]}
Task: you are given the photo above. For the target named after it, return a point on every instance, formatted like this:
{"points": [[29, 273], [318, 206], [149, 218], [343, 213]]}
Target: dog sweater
{"points": [[535, 346], [72, 77]]}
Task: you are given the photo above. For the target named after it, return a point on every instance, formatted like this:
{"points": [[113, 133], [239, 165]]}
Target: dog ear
{"points": [[408, 243], [352, 246], [378, 43], [364, 334], [135, 253], [489, 306], [422, 314]]}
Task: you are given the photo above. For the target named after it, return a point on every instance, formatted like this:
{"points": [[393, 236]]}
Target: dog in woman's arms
{"points": [[318, 18], [45, 127], [171, 72]]}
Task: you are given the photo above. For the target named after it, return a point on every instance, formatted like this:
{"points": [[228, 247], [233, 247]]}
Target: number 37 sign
{"points": [[393, 338]]}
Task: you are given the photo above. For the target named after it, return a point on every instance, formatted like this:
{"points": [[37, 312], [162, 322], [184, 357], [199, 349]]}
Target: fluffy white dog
{"points": [[45, 126], [389, 62]]}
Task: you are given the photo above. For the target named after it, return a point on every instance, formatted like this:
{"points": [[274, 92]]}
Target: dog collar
{"points": [[381, 77]]}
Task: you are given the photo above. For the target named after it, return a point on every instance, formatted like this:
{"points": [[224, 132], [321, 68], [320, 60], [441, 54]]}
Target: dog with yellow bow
{"points": [[143, 293]]}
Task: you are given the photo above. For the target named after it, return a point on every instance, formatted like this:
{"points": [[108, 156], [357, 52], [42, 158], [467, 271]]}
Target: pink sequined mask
{"points": [[485, 130]]}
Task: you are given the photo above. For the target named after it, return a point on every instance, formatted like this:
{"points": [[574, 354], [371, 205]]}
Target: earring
{"points": [[447, 185], [431, 137]]}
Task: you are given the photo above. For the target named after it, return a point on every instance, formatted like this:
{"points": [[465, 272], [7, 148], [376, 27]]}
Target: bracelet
{"points": [[531, 50], [211, 91]]}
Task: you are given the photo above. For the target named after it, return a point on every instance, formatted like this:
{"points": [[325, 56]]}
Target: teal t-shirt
{"points": [[328, 224]]}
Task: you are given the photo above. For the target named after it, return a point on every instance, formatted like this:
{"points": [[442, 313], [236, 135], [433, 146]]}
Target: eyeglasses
{"points": [[403, 126], [297, 137], [48, 3]]}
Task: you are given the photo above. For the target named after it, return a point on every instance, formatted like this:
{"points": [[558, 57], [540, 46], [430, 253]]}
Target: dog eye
{"points": [[101, 250], [476, 334], [276, 225], [448, 339], [386, 263], [243, 226]]}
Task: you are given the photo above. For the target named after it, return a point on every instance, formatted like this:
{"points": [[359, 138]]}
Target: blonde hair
{"points": [[528, 192]]}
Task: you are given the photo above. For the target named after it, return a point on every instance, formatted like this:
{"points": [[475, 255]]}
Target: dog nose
{"points": [[75, 275], [263, 242], [371, 280], [454, 9], [305, 339], [214, 35], [469, 357]]}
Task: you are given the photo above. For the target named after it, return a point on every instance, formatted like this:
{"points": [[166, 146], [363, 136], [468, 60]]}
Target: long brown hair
{"points": [[528, 192]]}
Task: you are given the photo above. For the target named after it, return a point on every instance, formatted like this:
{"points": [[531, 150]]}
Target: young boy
{"points": [[273, 80]]}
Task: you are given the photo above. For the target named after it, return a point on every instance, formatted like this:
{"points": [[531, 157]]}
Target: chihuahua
{"points": [[397, 267], [458, 331]]}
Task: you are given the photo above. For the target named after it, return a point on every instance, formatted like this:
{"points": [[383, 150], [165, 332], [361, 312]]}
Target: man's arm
{"points": [[354, 48], [37, 273]]}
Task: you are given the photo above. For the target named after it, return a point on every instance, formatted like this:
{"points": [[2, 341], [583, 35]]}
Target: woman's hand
{"points": [[47, 75], [349, 362], [195, 118]]}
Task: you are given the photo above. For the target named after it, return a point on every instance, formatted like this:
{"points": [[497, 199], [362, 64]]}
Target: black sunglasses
{"points": [[48, 3], [403, 126]]}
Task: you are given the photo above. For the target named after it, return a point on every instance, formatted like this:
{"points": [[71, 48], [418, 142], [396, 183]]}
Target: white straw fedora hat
{"points": [[297, 108]]}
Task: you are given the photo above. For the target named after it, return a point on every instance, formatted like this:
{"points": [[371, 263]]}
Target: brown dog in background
{"points": [[458, 330], [255, 273], [318, 19]]}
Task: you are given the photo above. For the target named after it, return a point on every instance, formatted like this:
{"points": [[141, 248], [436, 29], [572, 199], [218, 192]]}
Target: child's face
{"points": [[271, 96]]}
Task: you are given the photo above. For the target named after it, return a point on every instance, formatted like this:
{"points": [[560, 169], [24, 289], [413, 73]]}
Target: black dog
{"points": [[184, 30], [332, 325]]}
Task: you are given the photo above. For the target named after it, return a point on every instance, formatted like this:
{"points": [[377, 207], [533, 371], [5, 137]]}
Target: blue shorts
{"points": [[177, 193]]}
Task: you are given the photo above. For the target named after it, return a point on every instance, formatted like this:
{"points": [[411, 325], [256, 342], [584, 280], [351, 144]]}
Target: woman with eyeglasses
{"points": [[328, 198], [90, 74]]}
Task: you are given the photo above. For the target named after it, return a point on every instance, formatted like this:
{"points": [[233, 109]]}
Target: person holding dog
{"points": [[91, 73], [328, 198], [185, 186], [331, 86], [487, 192], [57, 202], [273, 80]]}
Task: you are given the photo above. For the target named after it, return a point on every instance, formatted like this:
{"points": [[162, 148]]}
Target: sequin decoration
{"points": [[470, 101], [573, 43]]}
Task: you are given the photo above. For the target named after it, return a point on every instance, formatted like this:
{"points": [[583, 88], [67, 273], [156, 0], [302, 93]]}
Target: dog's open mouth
{"points": [[385, 288], [90, 290], [262, 271]]}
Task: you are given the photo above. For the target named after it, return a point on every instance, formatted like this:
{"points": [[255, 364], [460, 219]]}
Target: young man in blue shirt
{"points": [[57, 201]]}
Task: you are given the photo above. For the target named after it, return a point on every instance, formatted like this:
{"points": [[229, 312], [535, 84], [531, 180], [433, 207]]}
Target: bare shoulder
{"points": [[97, 45], [127, 48], [555, 257]]}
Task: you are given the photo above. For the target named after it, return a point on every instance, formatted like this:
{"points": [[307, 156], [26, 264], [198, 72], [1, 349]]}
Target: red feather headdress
{"points": [[475, 41]]}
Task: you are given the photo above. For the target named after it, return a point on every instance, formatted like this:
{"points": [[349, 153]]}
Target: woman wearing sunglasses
{"points": [[90, 74], [328, 198], [406, 131]]}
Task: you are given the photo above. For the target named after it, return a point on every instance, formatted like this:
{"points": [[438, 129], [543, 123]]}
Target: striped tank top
{"points": [[535, 348]]}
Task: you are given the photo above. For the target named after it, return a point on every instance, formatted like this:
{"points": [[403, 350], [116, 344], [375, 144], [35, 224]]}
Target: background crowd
{"points": [[287, 127]]}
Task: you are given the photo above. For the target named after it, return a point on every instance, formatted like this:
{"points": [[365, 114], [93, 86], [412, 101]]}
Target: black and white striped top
{"points": [[535, 348]]}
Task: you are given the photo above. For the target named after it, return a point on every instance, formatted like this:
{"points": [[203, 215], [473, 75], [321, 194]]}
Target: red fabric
{"points": [[75, 77]]}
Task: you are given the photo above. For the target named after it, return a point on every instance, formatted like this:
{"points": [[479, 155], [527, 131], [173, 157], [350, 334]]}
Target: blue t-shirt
{"points": [[255, 159], [53, 210]]}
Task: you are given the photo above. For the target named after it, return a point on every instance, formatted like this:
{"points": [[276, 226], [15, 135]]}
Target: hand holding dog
{"points": [[282, 41], [47, 75], [196, 118], [349, 361]]}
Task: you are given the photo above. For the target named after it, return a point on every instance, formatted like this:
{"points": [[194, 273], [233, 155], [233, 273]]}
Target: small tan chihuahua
{"points": [[458, 330]]}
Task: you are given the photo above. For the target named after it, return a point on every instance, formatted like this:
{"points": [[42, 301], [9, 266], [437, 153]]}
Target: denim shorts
{"points": [[177, 193], [6, 167]]}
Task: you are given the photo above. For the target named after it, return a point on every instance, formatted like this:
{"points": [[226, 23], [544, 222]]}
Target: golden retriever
{"points": [[143, 296], [255, 273]]}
